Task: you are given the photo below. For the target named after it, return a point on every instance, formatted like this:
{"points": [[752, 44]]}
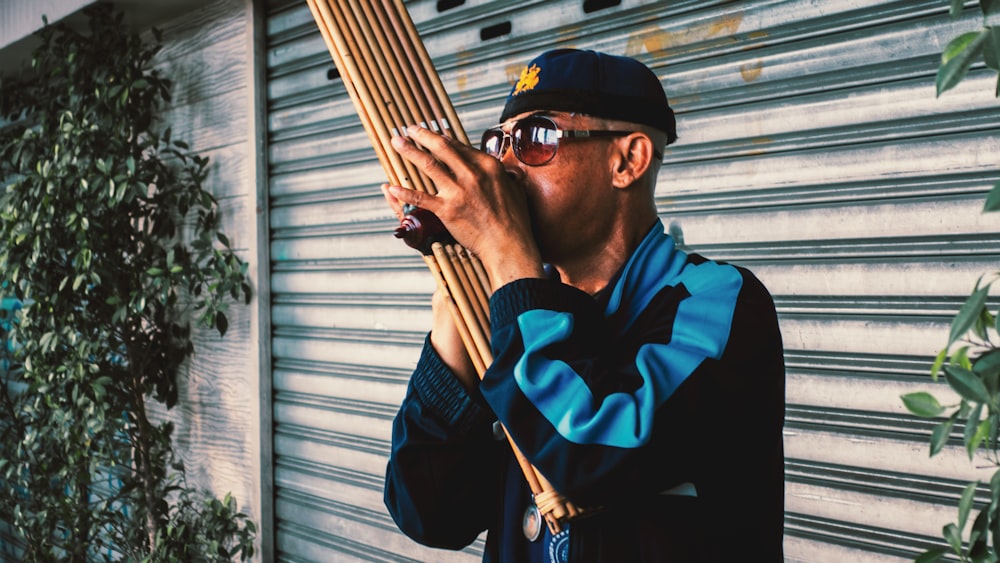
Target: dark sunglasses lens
{"points": [[535, 141], [492, 142]]}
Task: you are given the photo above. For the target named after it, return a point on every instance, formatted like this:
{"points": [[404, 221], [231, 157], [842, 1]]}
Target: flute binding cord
{"points": [[392, 82]]}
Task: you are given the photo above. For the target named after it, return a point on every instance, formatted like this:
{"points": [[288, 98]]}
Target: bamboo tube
{"points": [[479, 306], [384, 109], [406, 24], [414, 97], [450, 274], [391, 81]]}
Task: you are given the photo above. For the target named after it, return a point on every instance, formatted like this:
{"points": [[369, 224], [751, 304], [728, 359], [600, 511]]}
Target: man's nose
{"points": [[508, 159], [515, 172]]}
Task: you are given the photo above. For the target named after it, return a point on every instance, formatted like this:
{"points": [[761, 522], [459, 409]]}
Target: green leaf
{"points": [[978, 538], [957, 57], [989, 7], [954, 537], [982, 431], [967, 384], [221, 323], [988, 363], [984, 323], [941, 434], [965, 503], [992, 199], [938, 362], [968, 314], [956, 8], [990, 376], [960, 358], [991, 50], [922, 404], [995, 488], [971, 422]]}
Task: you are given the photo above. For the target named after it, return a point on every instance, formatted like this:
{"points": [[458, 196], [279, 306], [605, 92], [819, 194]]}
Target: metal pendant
{"points": [[531, 522]]}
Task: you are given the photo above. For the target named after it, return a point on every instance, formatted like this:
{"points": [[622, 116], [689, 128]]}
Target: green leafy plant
{"points": [[970, 361], [111, 245], [966, 50]]}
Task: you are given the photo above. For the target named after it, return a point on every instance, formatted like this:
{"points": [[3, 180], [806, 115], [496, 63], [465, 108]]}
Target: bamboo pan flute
{"points": [[392, 82]]}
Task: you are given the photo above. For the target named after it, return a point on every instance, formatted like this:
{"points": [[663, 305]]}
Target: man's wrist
{"points": [[513, 266]]}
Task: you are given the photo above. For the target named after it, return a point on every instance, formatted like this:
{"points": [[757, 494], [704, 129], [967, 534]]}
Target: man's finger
{"points": [[424, 160], [414, 197], [394, 204]]}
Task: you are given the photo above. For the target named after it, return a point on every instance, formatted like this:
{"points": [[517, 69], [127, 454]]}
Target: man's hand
{"points": [[481, 206]]}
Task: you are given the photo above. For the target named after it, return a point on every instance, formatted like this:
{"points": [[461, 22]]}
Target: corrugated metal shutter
{"points": [[812, 150]]}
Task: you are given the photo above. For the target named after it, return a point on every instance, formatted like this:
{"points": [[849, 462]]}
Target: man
{"points": [[646, 384]]}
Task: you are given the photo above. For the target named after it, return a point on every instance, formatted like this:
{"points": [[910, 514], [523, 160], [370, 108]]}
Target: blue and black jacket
{"points": [[672, 376]]}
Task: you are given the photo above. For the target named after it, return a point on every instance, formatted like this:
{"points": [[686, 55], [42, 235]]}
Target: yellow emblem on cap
{"points": [[528, 79]]}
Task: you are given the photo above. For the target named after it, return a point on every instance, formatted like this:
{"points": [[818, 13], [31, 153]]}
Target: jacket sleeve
{"points": [[615, 406], [440, 485]]}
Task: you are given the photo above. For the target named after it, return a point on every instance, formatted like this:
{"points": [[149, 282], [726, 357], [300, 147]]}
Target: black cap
{"points": [[592, 83]]}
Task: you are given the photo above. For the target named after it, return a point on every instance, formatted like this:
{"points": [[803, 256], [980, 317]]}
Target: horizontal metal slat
{"points": [[875, 424], [345, 531], [871, 336], [407, 274], [896, 453], [847, 224], [324, 447], [871, 509], [320, 243], [314, 545], [300, 184], [830, 191], [893, 109], [985, 248], [860, 392], [918, 159], [880, 46], [349, 347], [837, 541], [874, 365], [314, 377], [930, 278], [360, 315], [848, 305], [364, 207], [860, 478]]}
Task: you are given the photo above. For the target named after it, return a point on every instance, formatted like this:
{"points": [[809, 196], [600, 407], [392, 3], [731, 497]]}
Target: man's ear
{"points": [[633, 155]]}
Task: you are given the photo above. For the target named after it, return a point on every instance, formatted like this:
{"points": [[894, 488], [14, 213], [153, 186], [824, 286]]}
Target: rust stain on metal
{"points": [[513, 71], [462, 80], [726, 25], [658, 41], [751, 71]]}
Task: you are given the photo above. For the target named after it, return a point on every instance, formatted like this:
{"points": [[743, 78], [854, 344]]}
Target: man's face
{"points": [[570, 197]]}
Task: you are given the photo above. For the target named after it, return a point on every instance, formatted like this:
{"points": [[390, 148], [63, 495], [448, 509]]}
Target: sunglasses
{"points": [[535, 139]]}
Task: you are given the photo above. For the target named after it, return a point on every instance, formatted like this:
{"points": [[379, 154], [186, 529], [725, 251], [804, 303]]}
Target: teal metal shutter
{"points": [[812, 150]]}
